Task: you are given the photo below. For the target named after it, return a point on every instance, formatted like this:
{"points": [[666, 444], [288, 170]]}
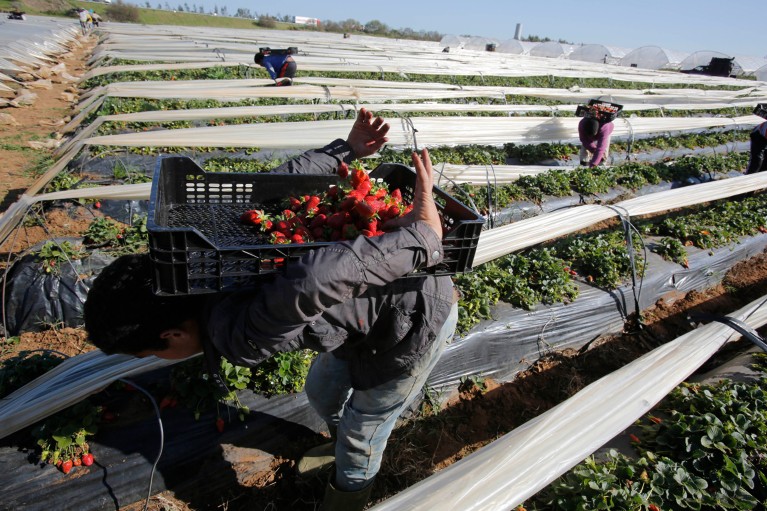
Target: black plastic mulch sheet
{"points": [[35, 299], [193, 463]]}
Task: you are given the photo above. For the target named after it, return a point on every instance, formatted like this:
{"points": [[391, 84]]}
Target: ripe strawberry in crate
{"points": [[356, 206]]}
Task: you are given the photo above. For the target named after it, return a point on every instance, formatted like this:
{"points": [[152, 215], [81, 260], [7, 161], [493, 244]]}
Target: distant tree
{"points": [[243, 13], [159, 6], [167, 6], [122, 12], [215, 9], [351, 25], [224, 11], [332, 26], [201, 9], [148, 5], [186, 7], [376, 27], [180, 8]]}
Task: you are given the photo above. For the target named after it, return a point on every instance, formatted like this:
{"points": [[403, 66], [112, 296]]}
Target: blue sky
{"points": [[730, 27]]}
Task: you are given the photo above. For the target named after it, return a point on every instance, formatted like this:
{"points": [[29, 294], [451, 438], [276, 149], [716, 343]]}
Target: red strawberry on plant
{"points": [[66, 466], [77, 462], [343, 170], [220, 425], [87, 459]]}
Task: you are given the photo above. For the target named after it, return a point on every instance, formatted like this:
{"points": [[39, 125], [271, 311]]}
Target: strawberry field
{"points": [[569, 258]]}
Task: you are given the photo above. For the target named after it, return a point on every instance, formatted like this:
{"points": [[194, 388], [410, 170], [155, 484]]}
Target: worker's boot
{"points": [[320, 459], [337, 500]]}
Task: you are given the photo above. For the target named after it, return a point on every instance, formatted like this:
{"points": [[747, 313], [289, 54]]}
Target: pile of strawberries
{"points": [[357, 206]]}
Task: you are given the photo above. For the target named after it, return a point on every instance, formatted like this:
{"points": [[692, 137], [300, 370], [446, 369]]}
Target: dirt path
{"points": [[37, 122]]}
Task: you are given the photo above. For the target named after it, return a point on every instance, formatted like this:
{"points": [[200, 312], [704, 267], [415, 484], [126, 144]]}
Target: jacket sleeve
{"points": [[335, 274], [318, 161]]}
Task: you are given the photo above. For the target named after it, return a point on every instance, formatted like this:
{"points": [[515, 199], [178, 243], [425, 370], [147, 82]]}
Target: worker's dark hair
{"points": [[123, 315], [591, 126], [258, 58]]}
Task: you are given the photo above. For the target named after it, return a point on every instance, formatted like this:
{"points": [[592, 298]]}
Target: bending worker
{"points": [[595, 140], [758, 146], [378, 336], [280, 65]]}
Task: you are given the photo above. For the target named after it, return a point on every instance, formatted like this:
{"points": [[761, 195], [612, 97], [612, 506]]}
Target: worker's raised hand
{"points": [[368, 134], [424, 207]]}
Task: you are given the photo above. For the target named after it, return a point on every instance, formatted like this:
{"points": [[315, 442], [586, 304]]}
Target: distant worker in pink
{"points": [[595, 140]]}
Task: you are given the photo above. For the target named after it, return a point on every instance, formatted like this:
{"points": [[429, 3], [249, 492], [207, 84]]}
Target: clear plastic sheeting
{"points": [[512, 46], [68, 383], [598, 53], [431, 131], [702, 58], [652, 57], [504, 240], [551, 49], [515, 467]]}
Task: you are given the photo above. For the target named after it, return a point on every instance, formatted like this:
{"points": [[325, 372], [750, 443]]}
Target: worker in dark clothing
{"points": [[758, 146], [280, 66], [378, 336]]}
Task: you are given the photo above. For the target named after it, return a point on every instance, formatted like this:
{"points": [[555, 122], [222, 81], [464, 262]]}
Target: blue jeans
{"points": [[366, 418]]}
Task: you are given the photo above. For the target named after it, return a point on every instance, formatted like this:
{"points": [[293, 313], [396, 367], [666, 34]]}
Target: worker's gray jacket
{"points": [[346, 298]]}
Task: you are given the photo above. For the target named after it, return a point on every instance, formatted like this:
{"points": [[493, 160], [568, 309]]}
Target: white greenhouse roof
{"points": [[652, 57], [598, 53], [552, 49]]}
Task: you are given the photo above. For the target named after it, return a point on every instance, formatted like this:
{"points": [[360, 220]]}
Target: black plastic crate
{"points": [[761, 110], [198, 244], [608, 113]]}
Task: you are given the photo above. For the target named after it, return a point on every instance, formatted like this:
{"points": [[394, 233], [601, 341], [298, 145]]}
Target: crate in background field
{"points": [[198, 244]]}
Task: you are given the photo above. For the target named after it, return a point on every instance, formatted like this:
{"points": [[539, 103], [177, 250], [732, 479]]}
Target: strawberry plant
{"points": [[102, 231], [129, 174], [602, 258], [284, 373], [193, 388], [54, 254], [707, 452], [62, 438], [671, 249]]}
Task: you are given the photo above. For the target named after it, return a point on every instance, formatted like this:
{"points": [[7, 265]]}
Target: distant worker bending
{"points": [[758, 146], [279, 64], [595, 140]]}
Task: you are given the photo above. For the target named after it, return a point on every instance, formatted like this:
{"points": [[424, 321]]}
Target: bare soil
{"points": [[421, 446]]}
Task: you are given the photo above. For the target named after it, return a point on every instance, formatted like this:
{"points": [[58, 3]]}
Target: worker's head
{"points": [[591, 126], [123, 315], [259, 58]]}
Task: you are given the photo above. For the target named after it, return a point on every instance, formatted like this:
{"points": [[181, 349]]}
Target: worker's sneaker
{"points": [[317, 461]]}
